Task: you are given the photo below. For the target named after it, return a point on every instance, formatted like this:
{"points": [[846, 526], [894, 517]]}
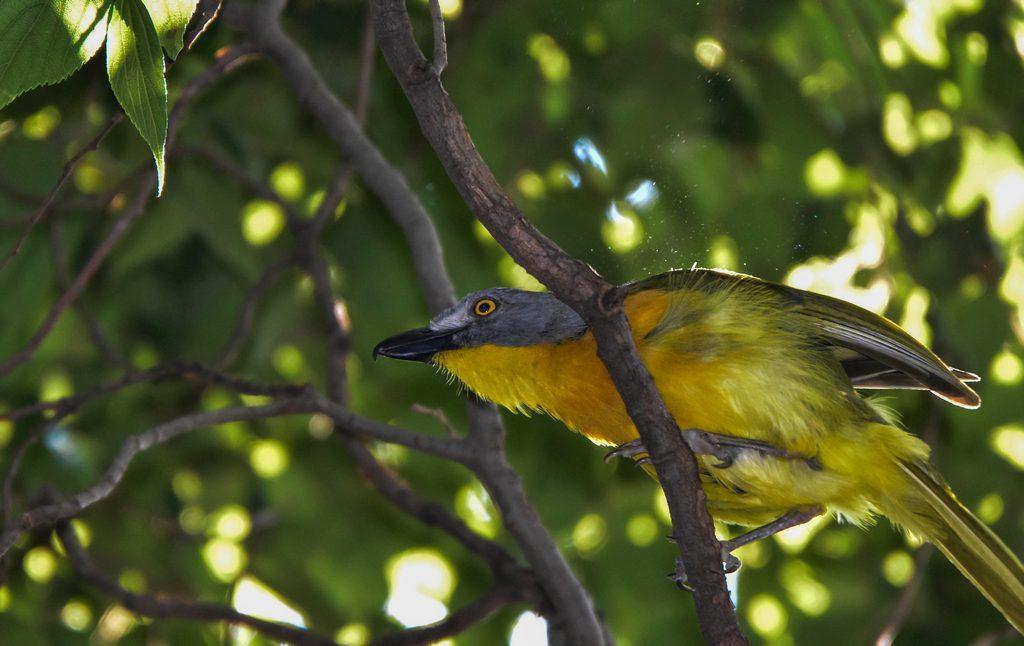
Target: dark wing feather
{"points": [[874, 352]]}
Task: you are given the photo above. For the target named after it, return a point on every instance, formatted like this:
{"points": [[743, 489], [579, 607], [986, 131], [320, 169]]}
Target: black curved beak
{"points": [[420, 344]]}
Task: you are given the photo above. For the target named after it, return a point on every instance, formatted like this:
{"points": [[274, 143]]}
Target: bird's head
{"points": [[497, 316]]}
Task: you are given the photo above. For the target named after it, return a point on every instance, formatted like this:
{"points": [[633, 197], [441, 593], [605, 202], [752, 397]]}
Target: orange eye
{"points": [[484, 307]]}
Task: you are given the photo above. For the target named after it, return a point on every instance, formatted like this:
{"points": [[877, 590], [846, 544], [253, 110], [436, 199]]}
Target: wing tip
{"points": [[964, 398]]}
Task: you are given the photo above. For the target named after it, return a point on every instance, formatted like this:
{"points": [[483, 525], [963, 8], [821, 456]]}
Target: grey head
{"points": [[495, 316]]}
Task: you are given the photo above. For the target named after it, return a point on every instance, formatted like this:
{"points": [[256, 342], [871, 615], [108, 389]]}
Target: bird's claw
{"points": [[634, 450], [730, 563]]}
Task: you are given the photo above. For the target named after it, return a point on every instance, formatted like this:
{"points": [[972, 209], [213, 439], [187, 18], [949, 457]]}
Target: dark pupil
{"points": [[484, 307]]}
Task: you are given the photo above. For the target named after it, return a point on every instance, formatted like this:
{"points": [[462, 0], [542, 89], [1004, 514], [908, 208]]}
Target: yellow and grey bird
{"points": [[763, 379]]}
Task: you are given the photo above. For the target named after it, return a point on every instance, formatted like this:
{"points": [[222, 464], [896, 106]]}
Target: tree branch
{"points": [[440, 61], [50, 514], [261, 24], [578, 285], [570, 601], [134, 211], [459, 621], [69, 169], [248, 310], [167, 608]]}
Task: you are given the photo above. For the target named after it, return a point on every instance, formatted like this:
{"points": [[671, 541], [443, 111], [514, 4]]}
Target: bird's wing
{"points": [[873, 351]]}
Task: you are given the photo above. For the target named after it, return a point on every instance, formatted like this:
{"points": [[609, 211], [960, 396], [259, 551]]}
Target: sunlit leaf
{"points": [[170, 17], [135, 66], [44, 41]]}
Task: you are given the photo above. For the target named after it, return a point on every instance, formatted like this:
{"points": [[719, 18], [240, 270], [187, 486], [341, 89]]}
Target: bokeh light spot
{"points": [[76, 615], [268, 458], [589, 534], [225, 559], [288, 181], [898, 568], [40, 564], [810, 596], [1008, 442], [420, 582], [898, 124], [42, 123], [231, 522], [709, 53], [824, 173], [990, 508], [551, 59], [767, 616], [934, 125], [473, 505], [642, 529], [891, 51], [255, 598], [186, 485], [450, 9], [288, 362], [262, 222], [354, 634], [1007, 369], [529, 629], [530, 185], [621, 230]]}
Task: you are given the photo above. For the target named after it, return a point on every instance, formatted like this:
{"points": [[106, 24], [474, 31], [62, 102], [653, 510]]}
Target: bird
{"points": [[763, 380]]}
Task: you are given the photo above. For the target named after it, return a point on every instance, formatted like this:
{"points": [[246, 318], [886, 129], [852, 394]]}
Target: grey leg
{"points": [[725, 448], [789, 519]]}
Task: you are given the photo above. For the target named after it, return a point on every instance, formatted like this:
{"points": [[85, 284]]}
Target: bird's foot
{"points": [[634, 450], [725, 448], [678, 575]]}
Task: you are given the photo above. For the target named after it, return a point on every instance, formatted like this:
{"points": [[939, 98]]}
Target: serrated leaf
{"points": [[170, 17], [135, 67], [45, 41]]}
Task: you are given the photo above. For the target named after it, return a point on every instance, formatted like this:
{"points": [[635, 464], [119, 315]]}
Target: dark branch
{"points": [[567, 596], [168, 608], [248, 310], [69, 169], [440, 61], [132, 212], [380, 177], [901, 611], [579, 286], [92, 325], [50, 514], [486, 605]]}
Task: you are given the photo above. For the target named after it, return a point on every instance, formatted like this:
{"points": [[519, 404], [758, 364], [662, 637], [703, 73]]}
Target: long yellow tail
{"points": [[967, 542]]}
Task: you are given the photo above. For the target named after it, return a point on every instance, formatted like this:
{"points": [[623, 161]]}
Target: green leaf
{"points": [[170, 17], [44, 41], [135, 67]]}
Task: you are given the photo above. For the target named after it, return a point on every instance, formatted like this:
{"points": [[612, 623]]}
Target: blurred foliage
{"points": [[869, 149]]}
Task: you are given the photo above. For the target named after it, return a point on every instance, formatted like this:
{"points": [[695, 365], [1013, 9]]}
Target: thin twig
{"points": [[169, 608], [905, 603], [92, 325], [261, 24], [251, 184], [49, 514], [69, 169], [440, 61], [437, 414], [483, 607], [134, 211], [336, 189], [248, 310]]}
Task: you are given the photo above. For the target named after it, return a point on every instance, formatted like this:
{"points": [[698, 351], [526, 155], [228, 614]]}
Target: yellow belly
{"points": [[720, 376]]}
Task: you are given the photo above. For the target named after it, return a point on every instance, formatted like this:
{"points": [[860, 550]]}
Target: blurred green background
{"points": [[867, 149]]}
